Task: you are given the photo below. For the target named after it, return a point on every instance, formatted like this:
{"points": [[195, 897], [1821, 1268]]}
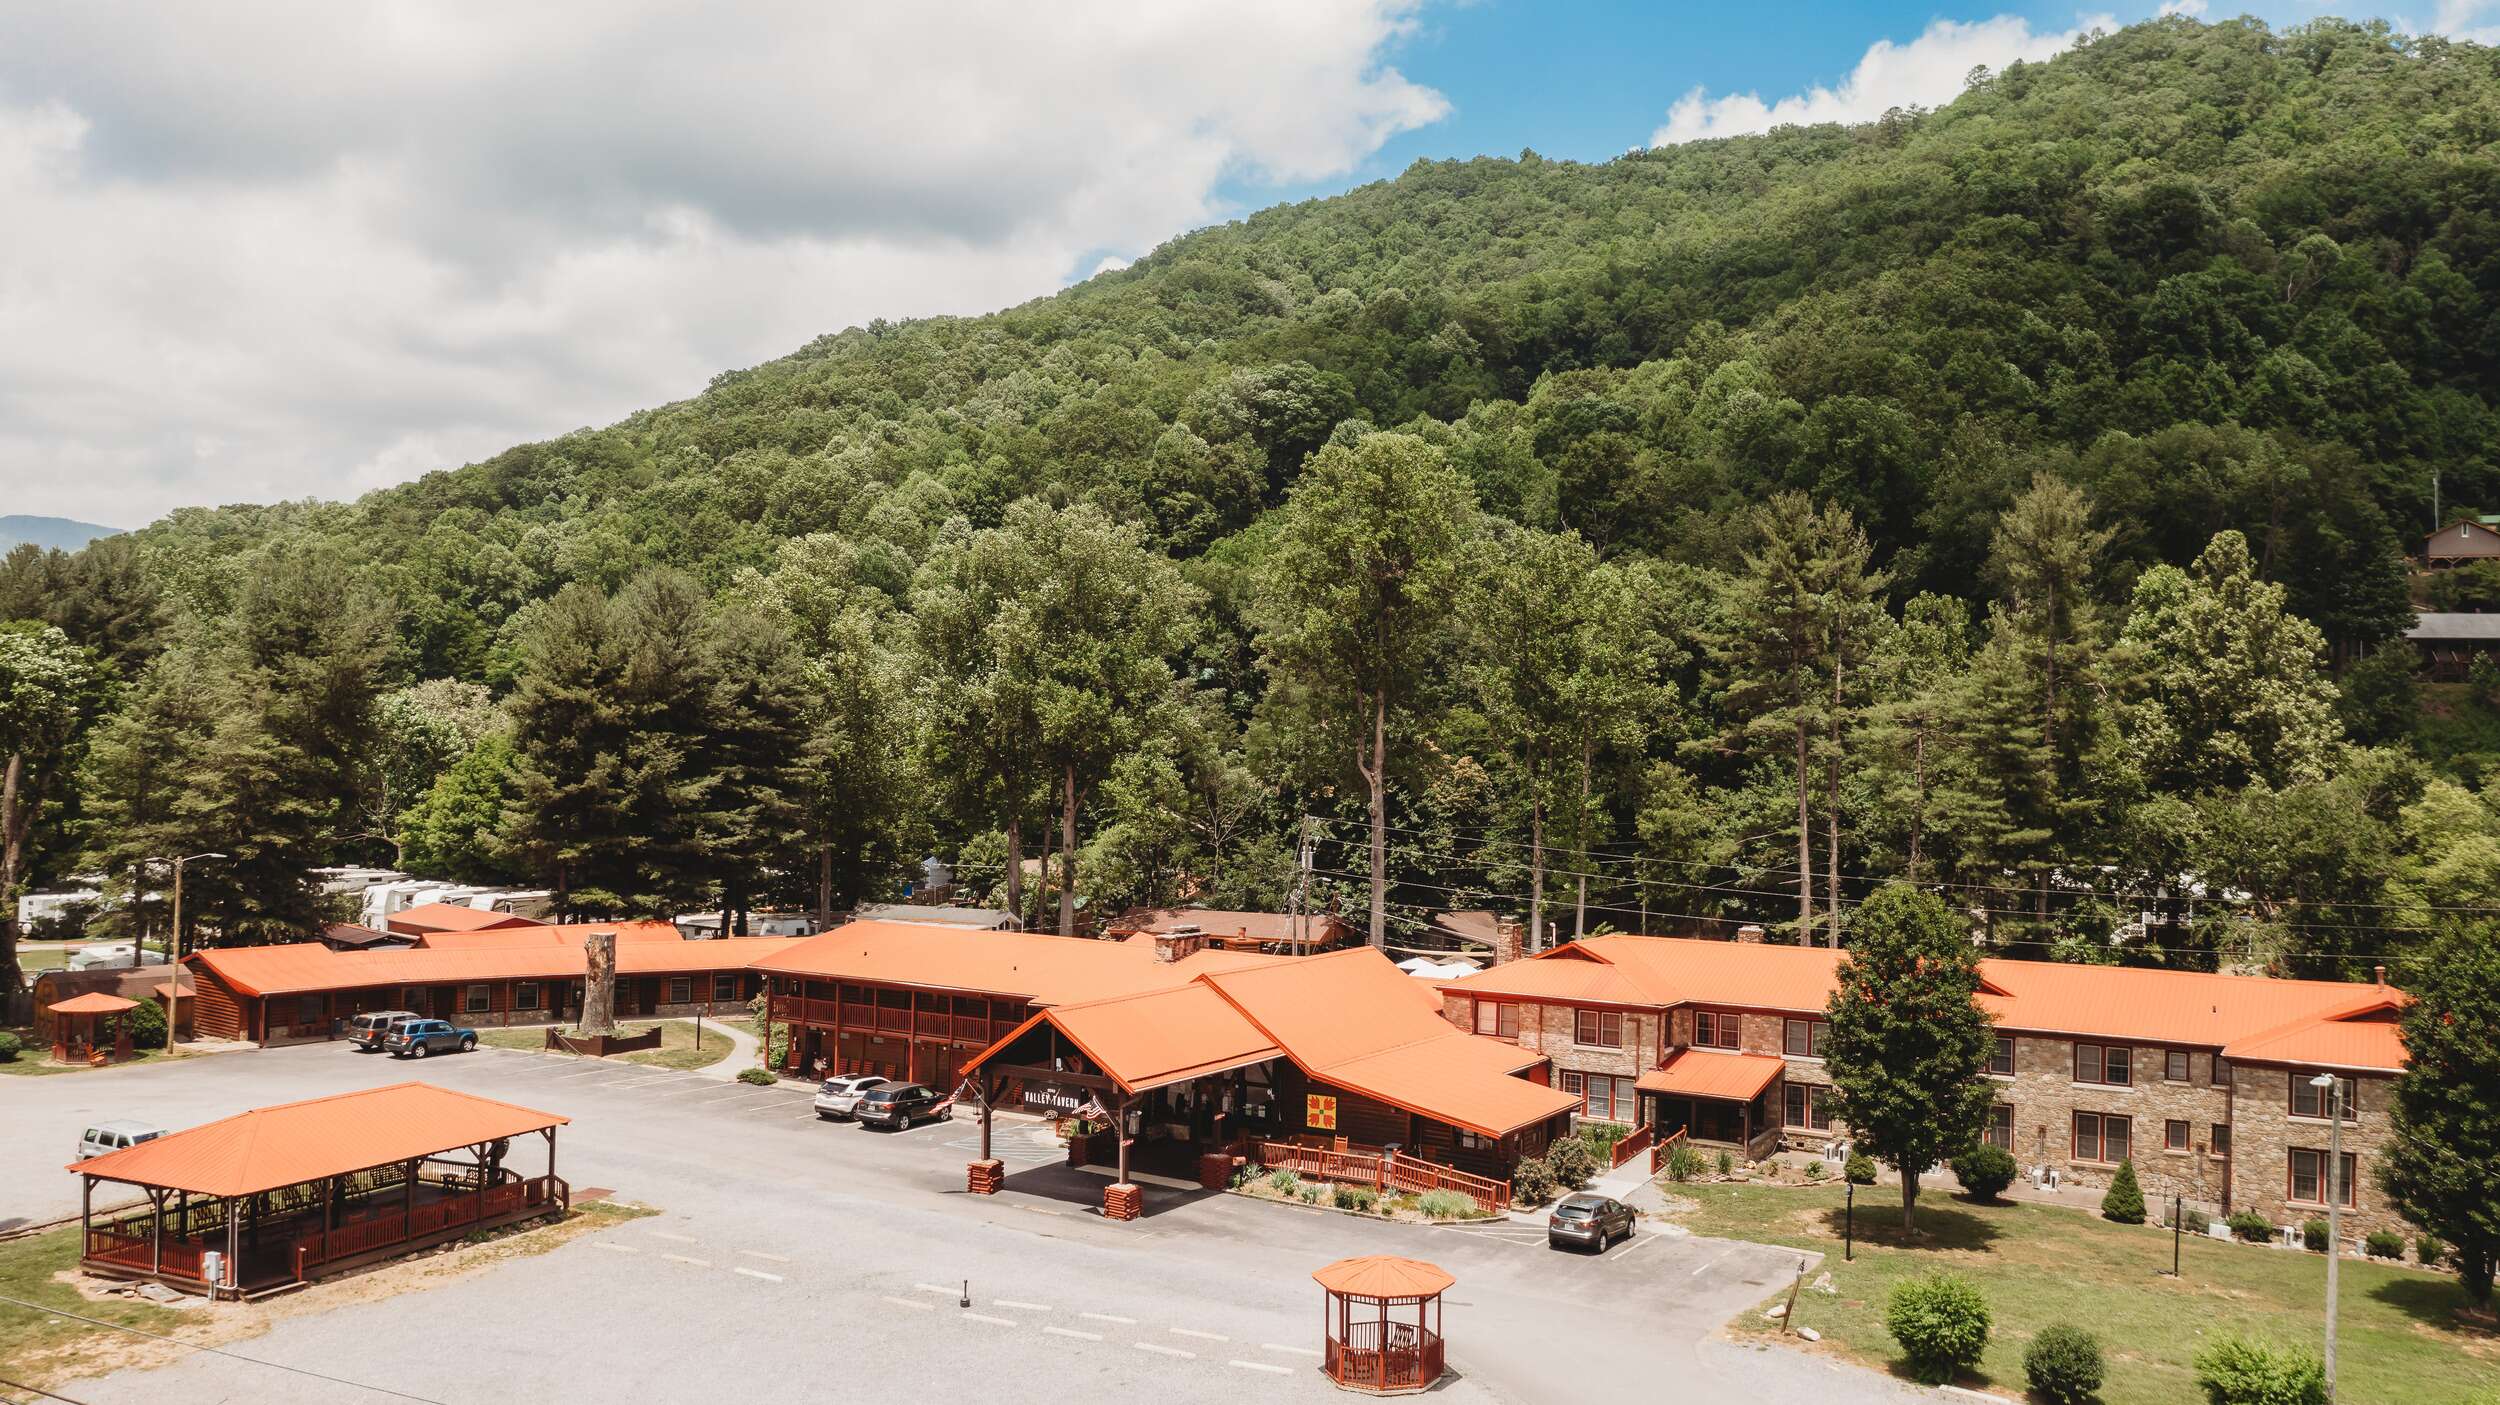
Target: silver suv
{"points": [[365, 1031]]}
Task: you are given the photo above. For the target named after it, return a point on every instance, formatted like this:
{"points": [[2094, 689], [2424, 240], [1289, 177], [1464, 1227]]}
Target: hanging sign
{"points": [[1319, 1112]]}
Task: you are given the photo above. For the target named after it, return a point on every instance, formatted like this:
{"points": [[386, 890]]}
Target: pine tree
{"points": [[50, 691], [2123, 1203], [752, 753], [1909, 1043], [566, 819]]}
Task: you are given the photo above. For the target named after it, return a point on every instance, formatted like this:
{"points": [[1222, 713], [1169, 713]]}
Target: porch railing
{"points": [[1394, 1170], [1633, 1145], [1664, 1148]]}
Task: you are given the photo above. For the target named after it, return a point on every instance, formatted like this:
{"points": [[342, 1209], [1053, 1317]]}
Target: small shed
{"points": [[285, 1194]]}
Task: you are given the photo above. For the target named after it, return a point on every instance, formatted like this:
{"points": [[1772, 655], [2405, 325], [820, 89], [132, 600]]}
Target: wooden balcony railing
{"points": [[1405, 1357], [1634, 1144], [1381, 1171]]}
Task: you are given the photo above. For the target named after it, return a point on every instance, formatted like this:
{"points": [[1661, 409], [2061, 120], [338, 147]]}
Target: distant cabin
{"points": [[2450, 641], [2461, 544]]}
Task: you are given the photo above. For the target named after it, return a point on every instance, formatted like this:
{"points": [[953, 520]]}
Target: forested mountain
{"points": [[60, 532], [1990, 497]]}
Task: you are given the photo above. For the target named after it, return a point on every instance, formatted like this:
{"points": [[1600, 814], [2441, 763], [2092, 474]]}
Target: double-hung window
{"points": [[1499, 1018], [1807, 1105], [527, 996], [2305, 1177], [2175, 1134], [1717, 1029], [477, 1000], [2309, 1100], [2174, 1065], [1602, 1098], [2105, 1063], [2001, 1058], [1803, 1039], [724, 986], [1601, 1029], [2103, 1137], [2000, 1133], [680, 990]]}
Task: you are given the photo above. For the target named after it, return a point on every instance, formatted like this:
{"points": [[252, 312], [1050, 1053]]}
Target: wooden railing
{"points": [[1381, 1171], [1409, 1358], [1633, 1145], [1664, 1148]]}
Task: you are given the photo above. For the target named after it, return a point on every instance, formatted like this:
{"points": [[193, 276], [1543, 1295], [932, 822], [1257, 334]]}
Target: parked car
{"points": [[113, 1136], [898, 1105], [418, 1038], [366, 1031], [1587, 1222], [839, 1098]]}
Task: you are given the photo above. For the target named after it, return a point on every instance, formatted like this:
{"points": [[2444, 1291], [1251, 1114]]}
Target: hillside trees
{"points": [[2442, 1168], [50, 691]]}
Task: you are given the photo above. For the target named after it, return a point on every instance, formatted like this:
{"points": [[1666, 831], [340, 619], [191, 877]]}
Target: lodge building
{"points": [[2203, 1081]]}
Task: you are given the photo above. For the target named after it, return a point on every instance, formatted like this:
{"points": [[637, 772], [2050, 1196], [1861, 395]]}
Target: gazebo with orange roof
{"points": [[74, 1038], [1369, 1349]]}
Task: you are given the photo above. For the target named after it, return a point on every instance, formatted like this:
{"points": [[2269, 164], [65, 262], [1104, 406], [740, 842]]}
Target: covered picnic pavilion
{"points": [[76, 1033], [282, 1195]]}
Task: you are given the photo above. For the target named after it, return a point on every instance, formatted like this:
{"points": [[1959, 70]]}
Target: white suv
{"points": [[839, 1098]]}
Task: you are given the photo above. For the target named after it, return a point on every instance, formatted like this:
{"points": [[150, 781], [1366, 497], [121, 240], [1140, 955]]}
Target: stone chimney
{"points": [[1750, 934], [1509, 940], [1179, 942]]}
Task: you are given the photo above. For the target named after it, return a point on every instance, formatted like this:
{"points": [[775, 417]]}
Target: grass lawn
{"points": [[35, 1061], [677, 1047], [2041, 1264]]}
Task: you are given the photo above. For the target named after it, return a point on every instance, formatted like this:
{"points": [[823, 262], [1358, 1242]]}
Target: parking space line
{"points": [[1107, 1317], [933, 1288], [1639, 1242], [1161, 1350], [757, 1273], [1072, 1332], [993, 1321], [680, 1258], [1262, 1366], [1194, 1332], [615, 1248], [760, 1254], [680, 1238], [1295, 1350], [1714, 1263], [914, 1306], [1025, 1307]]}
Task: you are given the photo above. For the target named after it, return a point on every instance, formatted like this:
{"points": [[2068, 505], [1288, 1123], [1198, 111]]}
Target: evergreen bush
{"points": [[2124, 1204], [2383, 1244], [2430, 1249], [1860, 1169], [145, 1023], [2250, 1226], [1727, 1163], [2063, 1364], [1941, 1322], [1814, 1170], [760, 1077], [1571, 1161], [9, 1046], [1532, 1181], [1356, 1197], [1985, 1171], [2313, 1235], [2236, 1371]]}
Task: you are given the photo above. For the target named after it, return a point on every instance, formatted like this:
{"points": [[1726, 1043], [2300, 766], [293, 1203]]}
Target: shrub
{"points": [[1985, 1172], [1601, 1137], [2250, 1226], [1355, 1197], [1532, 1181], [2383, 1244], [1572, 1163], [1284, 1182], [1310, 1194], [1860, 1169], [1448, 1205], [2193, 1220], [760, 1077], [2236, 1371], [1243, 1178], [2430, 1249], [2124, 1204], [1683, 1163], [9, 1045], [1941, 1322], [2063, 1364], [1814, 1170], [145, 1023], [2313, 1235], [1727, 1164]]}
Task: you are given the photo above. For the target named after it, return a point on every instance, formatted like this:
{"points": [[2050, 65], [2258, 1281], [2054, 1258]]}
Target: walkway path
{"points": [[742, 1056]]}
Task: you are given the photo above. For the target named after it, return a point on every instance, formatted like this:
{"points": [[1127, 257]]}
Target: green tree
{"points": [[2124, 1201], [567, 819], [49, 693], [2442, 1164], [455, 829], [1356, 602], [750, 753], [1909, 1044]]}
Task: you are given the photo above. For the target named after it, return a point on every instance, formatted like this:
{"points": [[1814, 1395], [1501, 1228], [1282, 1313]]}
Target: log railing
{"points": [[1381, 1171], [1634, 1144]]}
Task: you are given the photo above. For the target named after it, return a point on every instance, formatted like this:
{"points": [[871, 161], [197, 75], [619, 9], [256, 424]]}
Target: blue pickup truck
{"points": [[418, 1038]]}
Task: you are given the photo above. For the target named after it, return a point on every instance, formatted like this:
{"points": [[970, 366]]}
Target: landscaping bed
{"points": [[2037, 1265], [677, 1047], [1431, 1207]]}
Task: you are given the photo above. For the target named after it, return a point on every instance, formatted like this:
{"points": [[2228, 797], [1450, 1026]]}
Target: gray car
{"points": [[366, 1031], [1587, 1221]]}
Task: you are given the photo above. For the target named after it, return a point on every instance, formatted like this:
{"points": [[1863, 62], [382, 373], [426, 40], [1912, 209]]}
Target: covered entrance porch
{"points": [[1726, 1100]]}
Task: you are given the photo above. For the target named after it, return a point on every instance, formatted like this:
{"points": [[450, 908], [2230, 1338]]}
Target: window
{"points": [[2310, 1101], [2174, 1134], [680, 990], [2220, 1143], [1497, 1018], [1471, 1142], [1601, 1028], [477, 999], [724, 986], [1803, 1039], [1602, 1098], [2305, 1178], [2220, 1076], [2174, 1065], [308, 1010], [1716, 1029], [2104, 1063], [1807, 1105], [2001, 1062], [2102, 1137], [2000, 1133], [525, 996]]}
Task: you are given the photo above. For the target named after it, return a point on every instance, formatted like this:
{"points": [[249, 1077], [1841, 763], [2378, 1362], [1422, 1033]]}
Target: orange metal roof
{"points": [[293, 1143], [1699, 1073], [1047, 970], [2160, 1007], [452, 917], [299, 968], [1596, 982], [94, 1002], [2351, 1041], [552, 934], [1384, 1276], [1163, 1036], [1217, 922]]}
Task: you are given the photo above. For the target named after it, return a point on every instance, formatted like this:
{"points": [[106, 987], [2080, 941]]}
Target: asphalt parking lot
{"points": [[792, 1251]]}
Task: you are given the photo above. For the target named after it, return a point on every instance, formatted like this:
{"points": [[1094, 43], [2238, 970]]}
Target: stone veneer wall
{"points": [[2264, 1133], [2045, 1097]]}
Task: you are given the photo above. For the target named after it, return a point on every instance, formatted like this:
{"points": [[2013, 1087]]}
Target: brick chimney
{"points": [[1179, 942], [1509, 940], [1750, 934]]}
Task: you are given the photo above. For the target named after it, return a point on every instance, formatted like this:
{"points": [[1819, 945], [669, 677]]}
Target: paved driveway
{"points": [[795, 1254]]}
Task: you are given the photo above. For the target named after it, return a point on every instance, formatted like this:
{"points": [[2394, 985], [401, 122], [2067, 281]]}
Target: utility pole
{"points": [[2333, 1087], [173, 954], [1300, 922]]}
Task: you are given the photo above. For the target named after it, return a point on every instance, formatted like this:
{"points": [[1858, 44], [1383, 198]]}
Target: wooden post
{"points": [[86, 1203], [156, 1234], [234, 1250]]}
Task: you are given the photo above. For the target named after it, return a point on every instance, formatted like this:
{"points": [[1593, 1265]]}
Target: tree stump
{"points": [[599, 983]]}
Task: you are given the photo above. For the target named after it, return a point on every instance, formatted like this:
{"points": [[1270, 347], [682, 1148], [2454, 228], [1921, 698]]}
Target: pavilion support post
{"points": [[1122, 1200], [234, 1249], [156, 1231], [86, 1207]]}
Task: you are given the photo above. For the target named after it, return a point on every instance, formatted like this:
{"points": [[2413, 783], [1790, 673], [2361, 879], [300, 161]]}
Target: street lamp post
{"points": [[173, 952], [2333, 1088]]}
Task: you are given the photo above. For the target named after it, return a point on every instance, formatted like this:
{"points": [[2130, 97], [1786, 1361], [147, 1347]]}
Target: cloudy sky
{"points": [[268, 249]]}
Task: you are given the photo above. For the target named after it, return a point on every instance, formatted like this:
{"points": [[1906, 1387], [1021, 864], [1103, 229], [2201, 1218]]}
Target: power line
{"points": [[216, 1351]]}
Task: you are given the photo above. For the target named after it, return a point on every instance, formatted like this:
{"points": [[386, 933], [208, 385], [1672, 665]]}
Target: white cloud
{"points": [[2456, 19], [2189, 8], [1927, 71], [294, 247]]}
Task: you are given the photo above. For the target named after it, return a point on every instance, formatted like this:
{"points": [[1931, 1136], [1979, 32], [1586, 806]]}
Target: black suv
{"points": [[897, 1106]]}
